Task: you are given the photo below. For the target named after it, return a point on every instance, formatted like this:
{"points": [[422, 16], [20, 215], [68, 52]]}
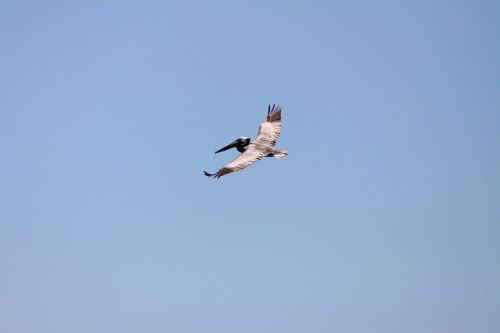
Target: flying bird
{"points": [[252, 151]]}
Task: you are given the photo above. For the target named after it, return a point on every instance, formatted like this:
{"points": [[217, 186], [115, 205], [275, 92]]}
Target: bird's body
{"points": [[252, 151], [268, 150], [271, 151]]}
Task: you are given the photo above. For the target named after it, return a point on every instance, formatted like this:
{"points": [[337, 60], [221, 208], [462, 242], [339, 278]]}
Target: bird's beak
{"points": [[229, 146]]}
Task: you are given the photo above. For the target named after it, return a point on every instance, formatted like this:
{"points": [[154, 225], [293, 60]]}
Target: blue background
{"points": [[385, 216]]}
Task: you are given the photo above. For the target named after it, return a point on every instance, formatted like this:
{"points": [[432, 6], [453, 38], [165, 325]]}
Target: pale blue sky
{"points": [[385, 216]]}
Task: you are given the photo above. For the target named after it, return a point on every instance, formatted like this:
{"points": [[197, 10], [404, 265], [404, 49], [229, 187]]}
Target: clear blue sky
{"points": [[385, 216]]}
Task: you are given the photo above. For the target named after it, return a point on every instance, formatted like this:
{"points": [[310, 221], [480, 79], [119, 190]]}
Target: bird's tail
{"points": [[282, 153]]}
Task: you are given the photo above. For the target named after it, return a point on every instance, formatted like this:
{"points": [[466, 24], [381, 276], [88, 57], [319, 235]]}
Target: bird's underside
{"points": [[251, 152]]}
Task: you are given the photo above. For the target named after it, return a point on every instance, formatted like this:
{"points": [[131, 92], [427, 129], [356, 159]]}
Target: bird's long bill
{"points": [[229, 146]]}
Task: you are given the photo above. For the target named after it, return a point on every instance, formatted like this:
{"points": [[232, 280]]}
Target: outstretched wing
{"points": [[270, 129], [251, 155]]}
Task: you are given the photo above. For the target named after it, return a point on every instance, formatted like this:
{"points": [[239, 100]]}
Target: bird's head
{"points": [[240, 142], [244, 141]]}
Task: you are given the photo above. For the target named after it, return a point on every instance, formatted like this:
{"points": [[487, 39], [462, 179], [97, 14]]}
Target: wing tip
{"points": [[273, 113], [274, 108], [213, 175]]}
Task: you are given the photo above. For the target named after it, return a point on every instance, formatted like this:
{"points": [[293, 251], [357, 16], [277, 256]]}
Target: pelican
{"points": [[252, 151]]}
